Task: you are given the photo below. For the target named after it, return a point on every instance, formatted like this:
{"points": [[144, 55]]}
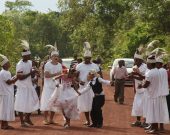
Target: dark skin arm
{"points": [[11, 81], [136, 76], [22, 76], [77, 77], [145, 85]]}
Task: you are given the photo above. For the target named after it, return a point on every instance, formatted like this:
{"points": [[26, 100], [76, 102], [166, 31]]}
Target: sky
{"points": [[40, 5]]}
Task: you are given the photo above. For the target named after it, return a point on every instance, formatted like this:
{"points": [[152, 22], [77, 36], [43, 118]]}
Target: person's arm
{"points": [[12, 80], [146, 82], [106, 82], [84, 90], [113, 73], [49, 75], [22, 76], [145, 85]]}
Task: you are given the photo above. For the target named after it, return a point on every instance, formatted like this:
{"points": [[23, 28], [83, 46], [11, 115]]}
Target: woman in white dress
{"points": [[52, 68], [64, 98], [6, 95]]}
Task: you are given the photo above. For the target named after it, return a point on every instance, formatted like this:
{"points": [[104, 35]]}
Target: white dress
{"points": [[26, 99], [145, 98], [49, 85], [157, 111], [6, 97], [64, 99], [137, 109], [86, 99]]}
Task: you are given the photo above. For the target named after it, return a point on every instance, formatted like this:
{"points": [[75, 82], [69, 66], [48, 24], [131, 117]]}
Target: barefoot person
{"points": [[64, 98], [6, 94], [26, 100]]}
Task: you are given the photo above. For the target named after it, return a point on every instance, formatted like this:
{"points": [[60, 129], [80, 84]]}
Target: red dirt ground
{"points": [[117, 119]]}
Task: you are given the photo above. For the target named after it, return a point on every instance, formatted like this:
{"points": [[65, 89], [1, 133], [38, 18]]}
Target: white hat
{"points": [[87, 49], [54, 53], [87, 53], [26, 48], [138, 56], [159, 60], [151, 59], [3, 60]]}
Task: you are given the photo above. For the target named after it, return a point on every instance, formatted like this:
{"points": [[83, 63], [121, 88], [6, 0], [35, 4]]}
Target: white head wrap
{"points": [[26, 48], [151, 60], [87, 53], [54, 53], [159, 60], [87, 49], [4, 60], [138, 56]]}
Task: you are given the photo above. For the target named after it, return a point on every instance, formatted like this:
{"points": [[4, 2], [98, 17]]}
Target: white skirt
{"points": [[65, 100], [85, 100], [137, 109], [145, 103], [7, 107], [157, 110], [26, 99], [45, 97]]}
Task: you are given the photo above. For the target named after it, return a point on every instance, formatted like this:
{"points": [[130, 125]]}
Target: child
{"points": [[99, 98], [6, 95], [65, 96]]}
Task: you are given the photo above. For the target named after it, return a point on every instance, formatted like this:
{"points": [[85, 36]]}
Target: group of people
{"points": [[151, 92], [69, 92], [79, 89]]}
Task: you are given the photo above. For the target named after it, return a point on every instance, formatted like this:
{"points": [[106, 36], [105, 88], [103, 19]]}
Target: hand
{"points": [[79, 94], [139, 86], [112, 83], [82, 83], [33, 71]]}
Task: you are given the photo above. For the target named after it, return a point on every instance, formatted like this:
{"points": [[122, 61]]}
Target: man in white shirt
{"points": [[85, 100], [26, 100], [164, 89]]}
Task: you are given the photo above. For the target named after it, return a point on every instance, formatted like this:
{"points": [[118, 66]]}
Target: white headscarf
{"points": [[4, 60]]}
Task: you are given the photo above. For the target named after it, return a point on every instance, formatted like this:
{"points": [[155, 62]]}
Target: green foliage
{"points": [[114, 28]]}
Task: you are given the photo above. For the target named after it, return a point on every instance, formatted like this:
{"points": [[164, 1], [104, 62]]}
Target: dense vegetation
{"points": [[114, 28]]}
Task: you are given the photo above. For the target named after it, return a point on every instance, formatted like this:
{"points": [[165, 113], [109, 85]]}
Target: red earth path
{"points": [[117, 119]]}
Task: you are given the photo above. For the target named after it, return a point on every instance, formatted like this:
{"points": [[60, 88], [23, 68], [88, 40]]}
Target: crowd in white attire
{"points": [[152, 104], [60, 95]]}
